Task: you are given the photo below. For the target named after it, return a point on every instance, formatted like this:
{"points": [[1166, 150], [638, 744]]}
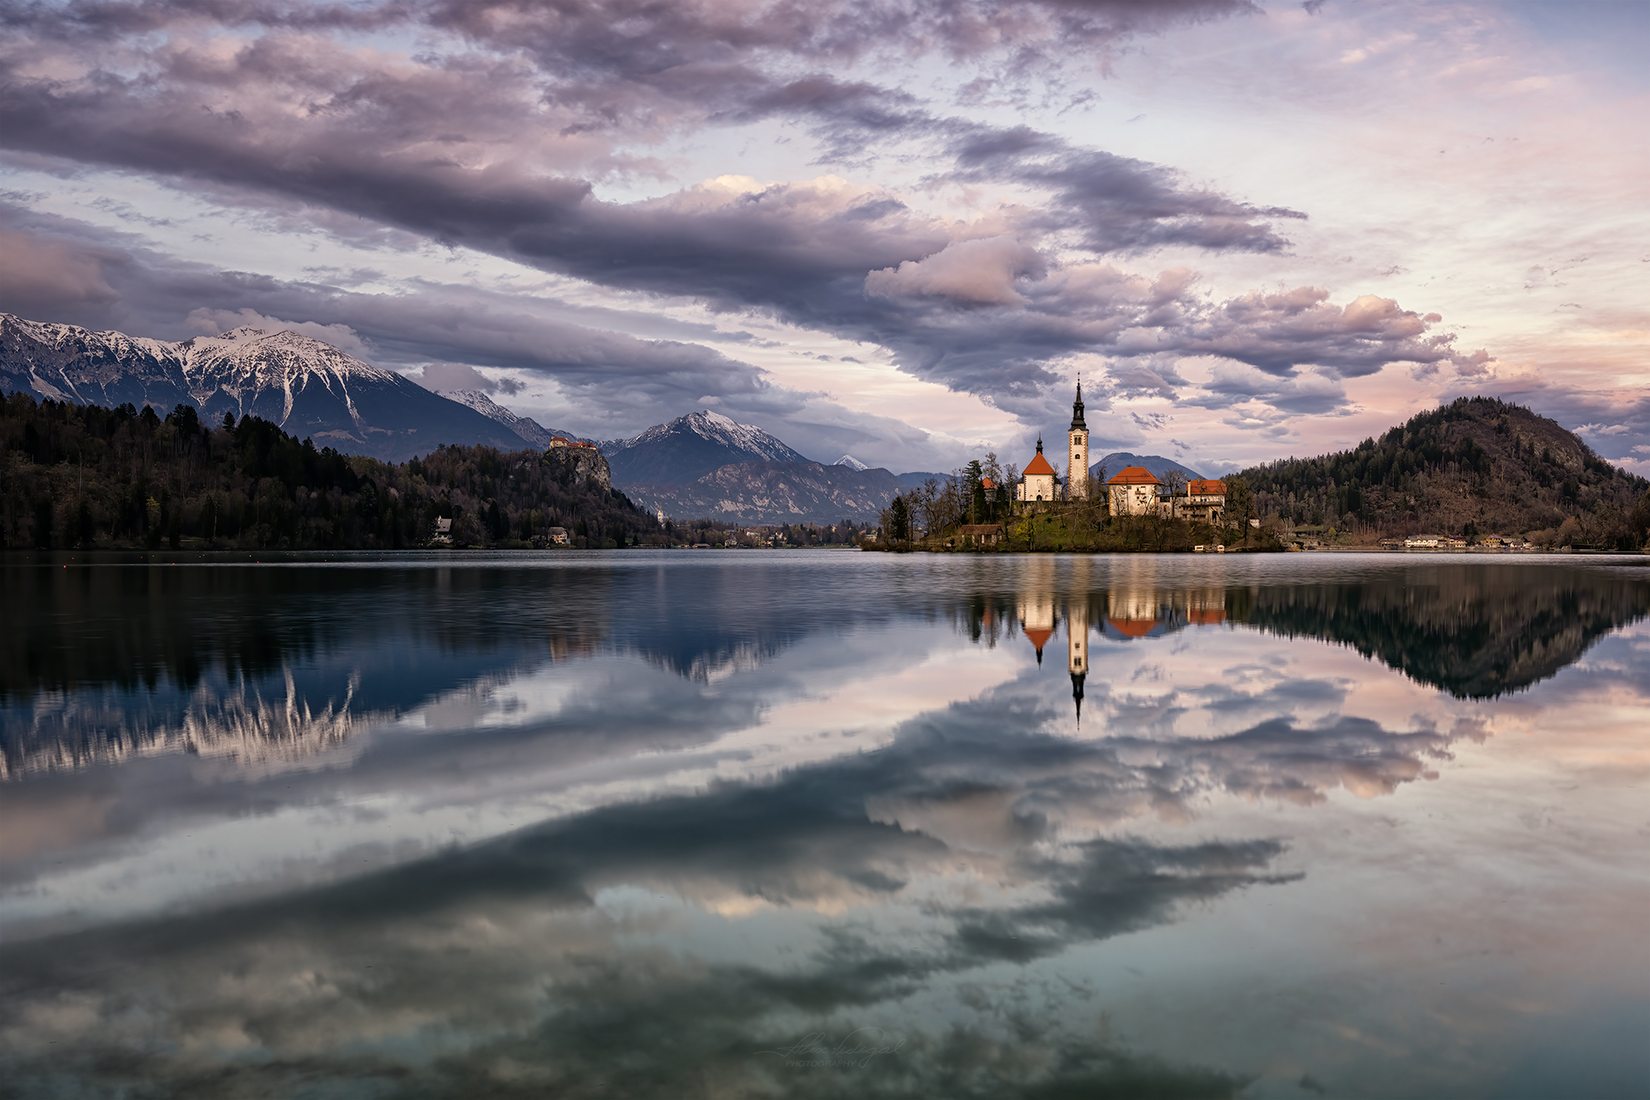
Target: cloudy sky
{"points": [[896, 228]]}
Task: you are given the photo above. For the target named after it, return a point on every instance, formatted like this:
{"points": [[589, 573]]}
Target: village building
{"points": [[443, 532], [1133, 491], [980, 534], [1205, 500]]}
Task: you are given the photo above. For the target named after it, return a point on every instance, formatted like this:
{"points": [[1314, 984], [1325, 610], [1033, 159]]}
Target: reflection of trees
{"points": [[1474, 631], [256, 664]]}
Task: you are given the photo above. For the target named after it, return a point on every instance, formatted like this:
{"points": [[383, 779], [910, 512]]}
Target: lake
{"points": [[818, 824]]}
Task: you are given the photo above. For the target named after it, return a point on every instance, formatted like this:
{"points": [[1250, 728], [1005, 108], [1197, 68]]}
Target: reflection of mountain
{"points": [[120, 662], [1473, 631], [505, 946], [253, 721]]}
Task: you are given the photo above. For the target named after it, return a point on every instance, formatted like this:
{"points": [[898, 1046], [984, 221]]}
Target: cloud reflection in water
{"points": [[659, 877]]}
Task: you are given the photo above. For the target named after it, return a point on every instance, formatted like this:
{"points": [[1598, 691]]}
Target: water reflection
{"points": [[275, 665], [822, 825]]}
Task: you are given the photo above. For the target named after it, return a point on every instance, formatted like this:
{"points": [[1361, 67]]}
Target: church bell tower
{"points": [[1077, 451]]}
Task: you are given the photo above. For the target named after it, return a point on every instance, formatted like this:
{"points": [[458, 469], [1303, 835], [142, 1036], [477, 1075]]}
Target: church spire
{"points": [[1077, 409]]}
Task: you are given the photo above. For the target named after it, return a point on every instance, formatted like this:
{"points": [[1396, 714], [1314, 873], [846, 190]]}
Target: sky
{"points": [[892, 228]]}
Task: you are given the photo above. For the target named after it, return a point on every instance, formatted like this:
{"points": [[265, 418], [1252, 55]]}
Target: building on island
{"points": [[1037, 484], [1040, 481], [980, 534], [1077, 451], [1133, 491], [1205, 500]]}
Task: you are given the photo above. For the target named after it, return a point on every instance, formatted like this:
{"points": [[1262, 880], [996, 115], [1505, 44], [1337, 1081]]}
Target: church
{"points": [[1039, 483], [1133, 491]]}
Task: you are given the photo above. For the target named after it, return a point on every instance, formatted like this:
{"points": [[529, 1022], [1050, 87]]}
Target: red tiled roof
{"points": [[1206, 487], [1134, 475], [1039, 636], [1133, 628], [1039, 465]]}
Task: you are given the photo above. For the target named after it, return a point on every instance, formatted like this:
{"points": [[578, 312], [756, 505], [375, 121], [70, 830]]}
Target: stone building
{"points": [[1133, 491]]}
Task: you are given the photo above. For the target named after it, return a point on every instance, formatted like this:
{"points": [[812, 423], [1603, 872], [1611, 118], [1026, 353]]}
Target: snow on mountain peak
{"points": [[851, 462]]}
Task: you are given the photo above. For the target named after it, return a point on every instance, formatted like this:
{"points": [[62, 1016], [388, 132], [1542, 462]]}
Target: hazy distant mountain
{"points": [[690, 447], [773, 492], [706, 466], [305, 386], [916, 479], [530, 430], [1157, 464]]}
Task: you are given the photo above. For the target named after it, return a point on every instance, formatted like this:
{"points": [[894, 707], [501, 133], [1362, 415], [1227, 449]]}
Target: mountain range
{"points": [[703, 464], [306, 387]]}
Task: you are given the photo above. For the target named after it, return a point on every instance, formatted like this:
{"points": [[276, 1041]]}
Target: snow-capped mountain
{"points": [[307, 387], [851, 462], [690, 446], [530, 430]]}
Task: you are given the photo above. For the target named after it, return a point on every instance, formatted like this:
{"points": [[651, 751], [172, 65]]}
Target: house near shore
{"points": [[980, 534]]}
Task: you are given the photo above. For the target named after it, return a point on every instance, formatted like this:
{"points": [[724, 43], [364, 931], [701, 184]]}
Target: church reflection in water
{"points": [[656, 826], [1132, 610]]}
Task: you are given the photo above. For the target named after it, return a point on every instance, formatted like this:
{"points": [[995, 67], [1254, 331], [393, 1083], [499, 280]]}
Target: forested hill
{"points": [[84, 476], [1474, 466]]}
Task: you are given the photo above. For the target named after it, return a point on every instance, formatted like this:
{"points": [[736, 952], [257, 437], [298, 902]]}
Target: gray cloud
{"points": [[294, 120], [615, 383], [494, 139]]}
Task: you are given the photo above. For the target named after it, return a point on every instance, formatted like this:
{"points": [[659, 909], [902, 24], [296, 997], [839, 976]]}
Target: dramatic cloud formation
{"points": [[982, 224]]}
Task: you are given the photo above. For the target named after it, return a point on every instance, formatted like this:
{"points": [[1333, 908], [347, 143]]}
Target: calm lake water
{"points": [[826, 824]]}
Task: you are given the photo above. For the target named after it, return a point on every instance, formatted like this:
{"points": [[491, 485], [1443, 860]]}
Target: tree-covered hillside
{"points": [[1475, 466], [82, 476]]}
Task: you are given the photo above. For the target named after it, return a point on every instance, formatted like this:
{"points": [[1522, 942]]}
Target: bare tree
{"points": [[1175, 482]]}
